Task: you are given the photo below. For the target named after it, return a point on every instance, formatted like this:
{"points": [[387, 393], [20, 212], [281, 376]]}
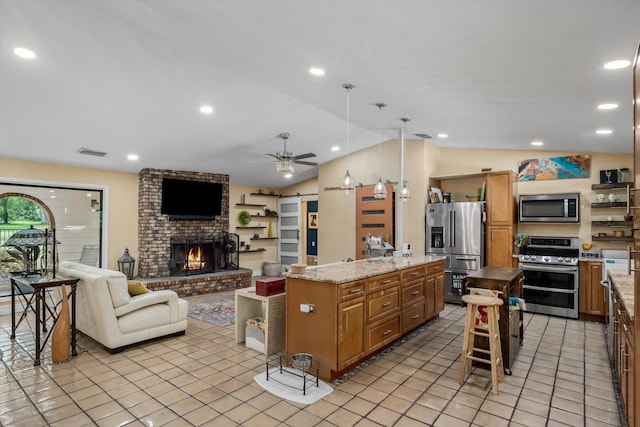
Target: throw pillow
{"points": [[118, 289], [137, 288]]}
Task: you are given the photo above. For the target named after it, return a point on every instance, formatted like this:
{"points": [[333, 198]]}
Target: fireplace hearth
{"points": [[203, 254]]}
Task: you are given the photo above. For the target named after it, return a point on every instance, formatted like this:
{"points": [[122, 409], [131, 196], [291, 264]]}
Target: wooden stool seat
{"points": [[490, 331]]}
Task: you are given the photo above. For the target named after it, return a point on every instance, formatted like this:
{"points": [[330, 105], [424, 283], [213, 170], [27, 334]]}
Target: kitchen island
{"points": [[624, 326], [344, 312]]}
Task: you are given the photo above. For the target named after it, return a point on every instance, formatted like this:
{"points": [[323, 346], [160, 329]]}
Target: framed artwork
{"points": [[564, 167], [312, 220]]}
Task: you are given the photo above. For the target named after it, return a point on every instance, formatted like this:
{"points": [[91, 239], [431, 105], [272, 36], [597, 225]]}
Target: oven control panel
{"points": [[548, 259]]}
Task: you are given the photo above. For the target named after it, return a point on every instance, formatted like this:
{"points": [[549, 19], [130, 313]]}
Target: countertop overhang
{"points": [[350, 271], [624, 283]]}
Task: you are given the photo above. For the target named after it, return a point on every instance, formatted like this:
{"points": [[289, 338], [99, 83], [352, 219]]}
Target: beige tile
{"points": [[384, 416], [488, 420], [462, 412], [422, 414], [359, 406], [202, 415]]}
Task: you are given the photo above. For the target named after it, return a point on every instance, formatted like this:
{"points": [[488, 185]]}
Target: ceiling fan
{"points": [[286, 159]]}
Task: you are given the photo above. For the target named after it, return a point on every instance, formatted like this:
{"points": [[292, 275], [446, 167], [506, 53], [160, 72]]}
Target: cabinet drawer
{"points": [[383, 333], [435, 267], [350, 291], [413, 316], [383, 302], [413, 292], [413, 273], [381, 282]]}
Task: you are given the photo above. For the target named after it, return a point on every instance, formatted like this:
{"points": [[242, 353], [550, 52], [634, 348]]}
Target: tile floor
{"points": [[561, 377]]}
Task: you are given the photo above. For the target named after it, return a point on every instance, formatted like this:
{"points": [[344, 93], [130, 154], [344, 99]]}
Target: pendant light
{"points": [[347, 185], [405, 194], [380, 190]]}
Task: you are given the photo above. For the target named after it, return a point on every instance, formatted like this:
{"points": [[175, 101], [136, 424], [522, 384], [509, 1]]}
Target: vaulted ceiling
{"points": [[126, 77]]}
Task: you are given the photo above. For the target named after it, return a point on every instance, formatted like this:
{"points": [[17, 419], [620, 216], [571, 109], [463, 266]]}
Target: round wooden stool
{"points": [[490, 330]]}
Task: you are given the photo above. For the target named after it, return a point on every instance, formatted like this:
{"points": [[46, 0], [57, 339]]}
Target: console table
{"points": [[271, 309], [32, 289]]}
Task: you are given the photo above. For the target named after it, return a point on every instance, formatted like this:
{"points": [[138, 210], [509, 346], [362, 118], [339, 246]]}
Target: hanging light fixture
{"points": [[347, 185], [405, 194], [284, 164], [380, 190]]}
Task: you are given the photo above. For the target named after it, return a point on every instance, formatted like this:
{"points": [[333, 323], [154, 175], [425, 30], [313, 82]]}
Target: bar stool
{"points": [[489, 330]]}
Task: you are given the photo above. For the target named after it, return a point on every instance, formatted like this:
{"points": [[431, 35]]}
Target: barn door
{"points": [[289, 229]]}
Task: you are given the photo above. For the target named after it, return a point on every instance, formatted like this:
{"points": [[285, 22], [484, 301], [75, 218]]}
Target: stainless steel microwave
{"points": [[563, 207]]}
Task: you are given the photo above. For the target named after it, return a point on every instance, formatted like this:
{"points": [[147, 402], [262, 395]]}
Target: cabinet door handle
{"points": [[353, 291], [346, 322], [384, 282], [415, 292], [387, 332], [386, 304], [415, 316]]}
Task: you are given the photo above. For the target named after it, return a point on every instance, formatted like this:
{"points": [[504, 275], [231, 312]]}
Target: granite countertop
{"points": [[344, 272], [624, 284]]}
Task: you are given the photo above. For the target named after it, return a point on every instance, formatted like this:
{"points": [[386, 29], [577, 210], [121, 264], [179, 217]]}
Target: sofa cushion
{"points": [[119, 290], [137, 288]]}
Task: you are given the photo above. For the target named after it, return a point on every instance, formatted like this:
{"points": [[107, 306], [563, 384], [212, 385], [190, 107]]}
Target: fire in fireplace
{"points": [[200, 255]]}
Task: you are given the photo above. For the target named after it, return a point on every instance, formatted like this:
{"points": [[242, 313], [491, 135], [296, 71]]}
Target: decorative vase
{"points": [[270, 231], [61, 334]]}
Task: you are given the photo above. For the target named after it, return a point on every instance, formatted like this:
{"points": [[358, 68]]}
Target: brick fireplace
{"points": [[156, 233]]}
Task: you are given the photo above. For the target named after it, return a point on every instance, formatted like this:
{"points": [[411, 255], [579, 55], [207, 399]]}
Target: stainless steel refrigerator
{"points": [[457, 231]]}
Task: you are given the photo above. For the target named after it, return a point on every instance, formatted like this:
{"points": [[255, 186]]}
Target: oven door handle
{"points": [[555, 290], [570, 269]]}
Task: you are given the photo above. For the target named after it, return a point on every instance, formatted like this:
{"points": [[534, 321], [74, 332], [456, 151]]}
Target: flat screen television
{"points": [[191, 200]]}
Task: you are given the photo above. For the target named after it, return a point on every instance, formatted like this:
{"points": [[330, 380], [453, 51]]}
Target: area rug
{"points": [[219, 311], [288, 386]]}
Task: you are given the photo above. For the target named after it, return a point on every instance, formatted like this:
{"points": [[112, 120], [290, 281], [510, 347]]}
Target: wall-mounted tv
{"points": [[183, 199]]}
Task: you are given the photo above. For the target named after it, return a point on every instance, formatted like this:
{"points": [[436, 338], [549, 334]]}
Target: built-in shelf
{"points": [[264, 238], [251, 205], [248, 227], [609, 204], [251, 250], [264, 194], [616, 186], [612, 239], [613, 223]]}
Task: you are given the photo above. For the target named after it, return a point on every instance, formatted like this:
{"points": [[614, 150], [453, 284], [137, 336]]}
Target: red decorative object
{"points": [[270, 286]]}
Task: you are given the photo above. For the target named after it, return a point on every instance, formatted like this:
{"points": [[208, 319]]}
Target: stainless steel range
{"points": [[551, 279]]}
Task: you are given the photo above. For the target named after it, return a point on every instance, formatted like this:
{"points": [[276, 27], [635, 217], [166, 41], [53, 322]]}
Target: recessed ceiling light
{"points": [[617, 64], [133, 157], [610, 106], [604, 131], [316, 71], [24, 53], [206, 109], [537, 143], [288, 175], [443, 135], [335, 148]]}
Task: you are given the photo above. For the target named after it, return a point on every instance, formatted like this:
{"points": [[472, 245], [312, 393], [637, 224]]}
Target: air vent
{"points": [[423, 135], [90, 152]]}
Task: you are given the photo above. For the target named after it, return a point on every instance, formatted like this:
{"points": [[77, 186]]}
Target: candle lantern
{"points": [[126, 264]]}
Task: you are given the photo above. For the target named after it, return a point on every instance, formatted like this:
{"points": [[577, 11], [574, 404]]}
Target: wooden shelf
{"points": [[248, 227], [612, 239], [250, 205], [460, 176], [613, 223], [264, 217], [241, 251], [263, 238], [264, 194], [609, 204], [616, 186]]}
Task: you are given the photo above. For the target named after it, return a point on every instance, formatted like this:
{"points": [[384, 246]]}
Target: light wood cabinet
{"points": [[354, 320], [501, 217], [593, 298]]}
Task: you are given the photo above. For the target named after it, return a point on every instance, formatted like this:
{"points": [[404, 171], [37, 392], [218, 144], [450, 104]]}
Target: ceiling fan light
{"points": [[284, 166], [380, 190], [347, 185]]}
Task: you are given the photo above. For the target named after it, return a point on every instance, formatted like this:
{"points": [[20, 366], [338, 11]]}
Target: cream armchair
{"points": [[107, 313]]}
